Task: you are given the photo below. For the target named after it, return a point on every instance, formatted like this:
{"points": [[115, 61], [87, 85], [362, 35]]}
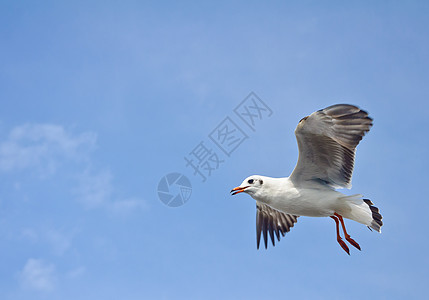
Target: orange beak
{"points": [[238, 189]]}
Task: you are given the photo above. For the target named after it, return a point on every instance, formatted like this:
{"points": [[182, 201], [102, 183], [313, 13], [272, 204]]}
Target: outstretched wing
{"points": [[327, 141], [269, 220]]}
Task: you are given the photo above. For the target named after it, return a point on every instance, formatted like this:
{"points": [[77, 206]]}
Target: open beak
{"points": [[238, 189]]}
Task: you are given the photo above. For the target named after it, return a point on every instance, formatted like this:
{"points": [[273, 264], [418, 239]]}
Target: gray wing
{"points": [[327, 141], [271, 221]]}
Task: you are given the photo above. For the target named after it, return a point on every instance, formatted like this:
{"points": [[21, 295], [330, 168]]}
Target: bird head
{"points": [[251, 185]]}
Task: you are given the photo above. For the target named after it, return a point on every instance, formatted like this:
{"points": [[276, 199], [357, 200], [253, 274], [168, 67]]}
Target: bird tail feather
{"points": [[363, 211]]}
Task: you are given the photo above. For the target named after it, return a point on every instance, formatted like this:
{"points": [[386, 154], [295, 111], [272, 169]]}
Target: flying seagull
{"points": [[327, 141]]}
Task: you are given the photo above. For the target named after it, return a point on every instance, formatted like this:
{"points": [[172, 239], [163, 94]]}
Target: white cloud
{"points": [[97, 190], [94, 189], [38, 275], [29, 234], [126, 206], [75, 273], [44, 147], [59, 241]]}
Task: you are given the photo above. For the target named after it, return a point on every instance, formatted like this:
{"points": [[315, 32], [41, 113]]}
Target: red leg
{"points": [[346, 235], [339, 239]]}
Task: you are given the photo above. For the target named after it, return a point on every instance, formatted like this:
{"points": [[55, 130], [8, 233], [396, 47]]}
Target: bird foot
{"points": [[343, 245], [352, 242]]}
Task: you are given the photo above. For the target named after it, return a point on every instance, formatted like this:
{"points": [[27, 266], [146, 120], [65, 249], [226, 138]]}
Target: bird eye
{"points": [[250, 181], [260, 181]]}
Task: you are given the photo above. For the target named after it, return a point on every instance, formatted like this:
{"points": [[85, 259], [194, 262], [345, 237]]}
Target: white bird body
{"points": [[313, 200], [282, 194], [327, 141]]}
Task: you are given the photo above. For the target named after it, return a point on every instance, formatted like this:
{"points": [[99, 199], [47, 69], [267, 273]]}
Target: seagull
{"points": [[327, 141]]}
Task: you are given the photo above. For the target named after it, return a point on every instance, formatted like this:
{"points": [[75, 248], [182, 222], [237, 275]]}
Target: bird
{"points": [[327, 141]]}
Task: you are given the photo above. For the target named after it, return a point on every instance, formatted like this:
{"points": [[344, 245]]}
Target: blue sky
{"points": [[100, 100]]}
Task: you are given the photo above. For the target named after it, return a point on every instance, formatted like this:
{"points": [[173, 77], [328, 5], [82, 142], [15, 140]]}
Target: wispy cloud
{"points": [[125, 206], [95, 189], [59, 240], [43, 147], [38, 275], [42, 150], [75, 273]]}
